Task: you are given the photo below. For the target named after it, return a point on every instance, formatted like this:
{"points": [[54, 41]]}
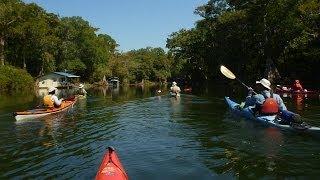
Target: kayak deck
{"points": [[266, 120], [111, 167], [37, 113]]}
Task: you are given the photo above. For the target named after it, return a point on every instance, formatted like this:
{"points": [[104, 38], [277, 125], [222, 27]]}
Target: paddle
{"points": [[226, 72]]}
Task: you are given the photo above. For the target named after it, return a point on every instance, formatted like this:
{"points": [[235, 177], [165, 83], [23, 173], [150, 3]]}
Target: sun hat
{"points": [[81, 85], [51, 89], [264, 82]]}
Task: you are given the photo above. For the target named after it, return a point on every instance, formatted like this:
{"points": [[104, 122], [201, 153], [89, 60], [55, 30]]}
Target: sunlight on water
{"points": [[157, 137]]}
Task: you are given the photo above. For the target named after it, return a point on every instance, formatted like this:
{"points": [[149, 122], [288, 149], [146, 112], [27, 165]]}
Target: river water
{"points": [[156, 137]]}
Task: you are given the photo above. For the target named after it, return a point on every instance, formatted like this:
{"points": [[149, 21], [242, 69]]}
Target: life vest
{"points": [[47, 101], [270, 106]]}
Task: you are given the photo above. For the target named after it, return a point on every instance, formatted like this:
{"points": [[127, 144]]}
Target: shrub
{"points": [[15, 79]]}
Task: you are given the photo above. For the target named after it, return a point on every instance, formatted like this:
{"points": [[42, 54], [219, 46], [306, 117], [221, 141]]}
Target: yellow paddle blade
{"points": [[225, 71]]}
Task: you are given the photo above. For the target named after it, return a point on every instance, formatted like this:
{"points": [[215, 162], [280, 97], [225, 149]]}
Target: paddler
{"points": [[81, 90], [268, 103], [174, 88], [51, 100], [297, 86]]}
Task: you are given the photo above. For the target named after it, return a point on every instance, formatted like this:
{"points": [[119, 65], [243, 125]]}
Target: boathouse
{"points": [[58, 80]]}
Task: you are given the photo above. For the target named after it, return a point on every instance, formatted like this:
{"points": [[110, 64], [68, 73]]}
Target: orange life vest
{"points": [[270, 106], [47, 101]]}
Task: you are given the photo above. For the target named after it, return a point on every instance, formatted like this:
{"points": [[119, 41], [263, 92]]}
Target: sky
{"points": [[134, 24]]}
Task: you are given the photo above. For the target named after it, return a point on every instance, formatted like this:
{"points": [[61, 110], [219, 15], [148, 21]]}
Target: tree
{"points": [[9, 15]]}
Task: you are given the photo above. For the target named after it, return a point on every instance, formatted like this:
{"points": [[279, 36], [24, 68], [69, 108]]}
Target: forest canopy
{"points": [[42, 42], [278, 39]]}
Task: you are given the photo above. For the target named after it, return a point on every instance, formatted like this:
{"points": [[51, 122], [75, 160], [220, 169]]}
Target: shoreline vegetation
{"points": [[40, 42], [279, 40], [14, 79]]}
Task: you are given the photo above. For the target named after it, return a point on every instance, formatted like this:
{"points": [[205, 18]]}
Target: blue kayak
{"points": [[270, 120]]}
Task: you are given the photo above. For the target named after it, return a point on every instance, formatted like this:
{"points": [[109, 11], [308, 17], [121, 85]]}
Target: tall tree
{"points": [[9, 15]]}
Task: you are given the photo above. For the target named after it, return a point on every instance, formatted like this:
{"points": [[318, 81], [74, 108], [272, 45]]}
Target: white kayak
{"points": [[38, 113]]}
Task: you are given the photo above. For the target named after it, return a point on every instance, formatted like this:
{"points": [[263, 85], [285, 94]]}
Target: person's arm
{"points": [[255, 100], [282, 106], [250, 100], [56, 101], [300, 86]]}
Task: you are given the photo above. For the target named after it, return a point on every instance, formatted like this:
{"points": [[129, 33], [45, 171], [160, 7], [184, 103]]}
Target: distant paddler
{"points": [[51, 100], [297, 87], [175, 90], [81, 91]]}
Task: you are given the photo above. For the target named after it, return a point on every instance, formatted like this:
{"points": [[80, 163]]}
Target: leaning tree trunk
{"points": [[2, 50], [271, 71], [24, 63]]}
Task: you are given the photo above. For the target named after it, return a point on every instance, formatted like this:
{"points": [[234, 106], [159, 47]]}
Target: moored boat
{"points": [[111, 167], [38, 113]]}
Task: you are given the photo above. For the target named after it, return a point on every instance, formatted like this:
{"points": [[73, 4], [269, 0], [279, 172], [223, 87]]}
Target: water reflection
{"points": [[273, 140], [157, 137], [299, 101]]}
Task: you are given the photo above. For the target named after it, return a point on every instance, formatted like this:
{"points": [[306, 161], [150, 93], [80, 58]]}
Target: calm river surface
{"points": [[156, 137]]}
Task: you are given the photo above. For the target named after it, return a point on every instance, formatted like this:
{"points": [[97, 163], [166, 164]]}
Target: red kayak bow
{"points": [[111, 167]]}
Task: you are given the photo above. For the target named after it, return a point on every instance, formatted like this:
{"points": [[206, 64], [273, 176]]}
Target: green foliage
{"points": [[250, 37], [41, 42], [76, 66], [14, 79]]}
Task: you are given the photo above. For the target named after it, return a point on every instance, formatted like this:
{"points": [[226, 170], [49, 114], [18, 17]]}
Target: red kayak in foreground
{"points": [[111, 167]]}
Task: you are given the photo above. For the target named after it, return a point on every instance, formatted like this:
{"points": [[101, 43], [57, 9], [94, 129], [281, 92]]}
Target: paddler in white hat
{"points": [[51, 100]]}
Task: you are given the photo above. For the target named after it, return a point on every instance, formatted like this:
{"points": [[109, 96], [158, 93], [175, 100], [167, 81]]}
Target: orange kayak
{"points": [[111, 167], [37, 113]]}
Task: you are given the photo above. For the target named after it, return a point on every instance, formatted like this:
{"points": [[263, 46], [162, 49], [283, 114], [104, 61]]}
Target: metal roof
{"points": [[66, 74]]}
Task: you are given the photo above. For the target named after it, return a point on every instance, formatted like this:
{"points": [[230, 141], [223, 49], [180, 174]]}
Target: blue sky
{"points": [[133, 24]]}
